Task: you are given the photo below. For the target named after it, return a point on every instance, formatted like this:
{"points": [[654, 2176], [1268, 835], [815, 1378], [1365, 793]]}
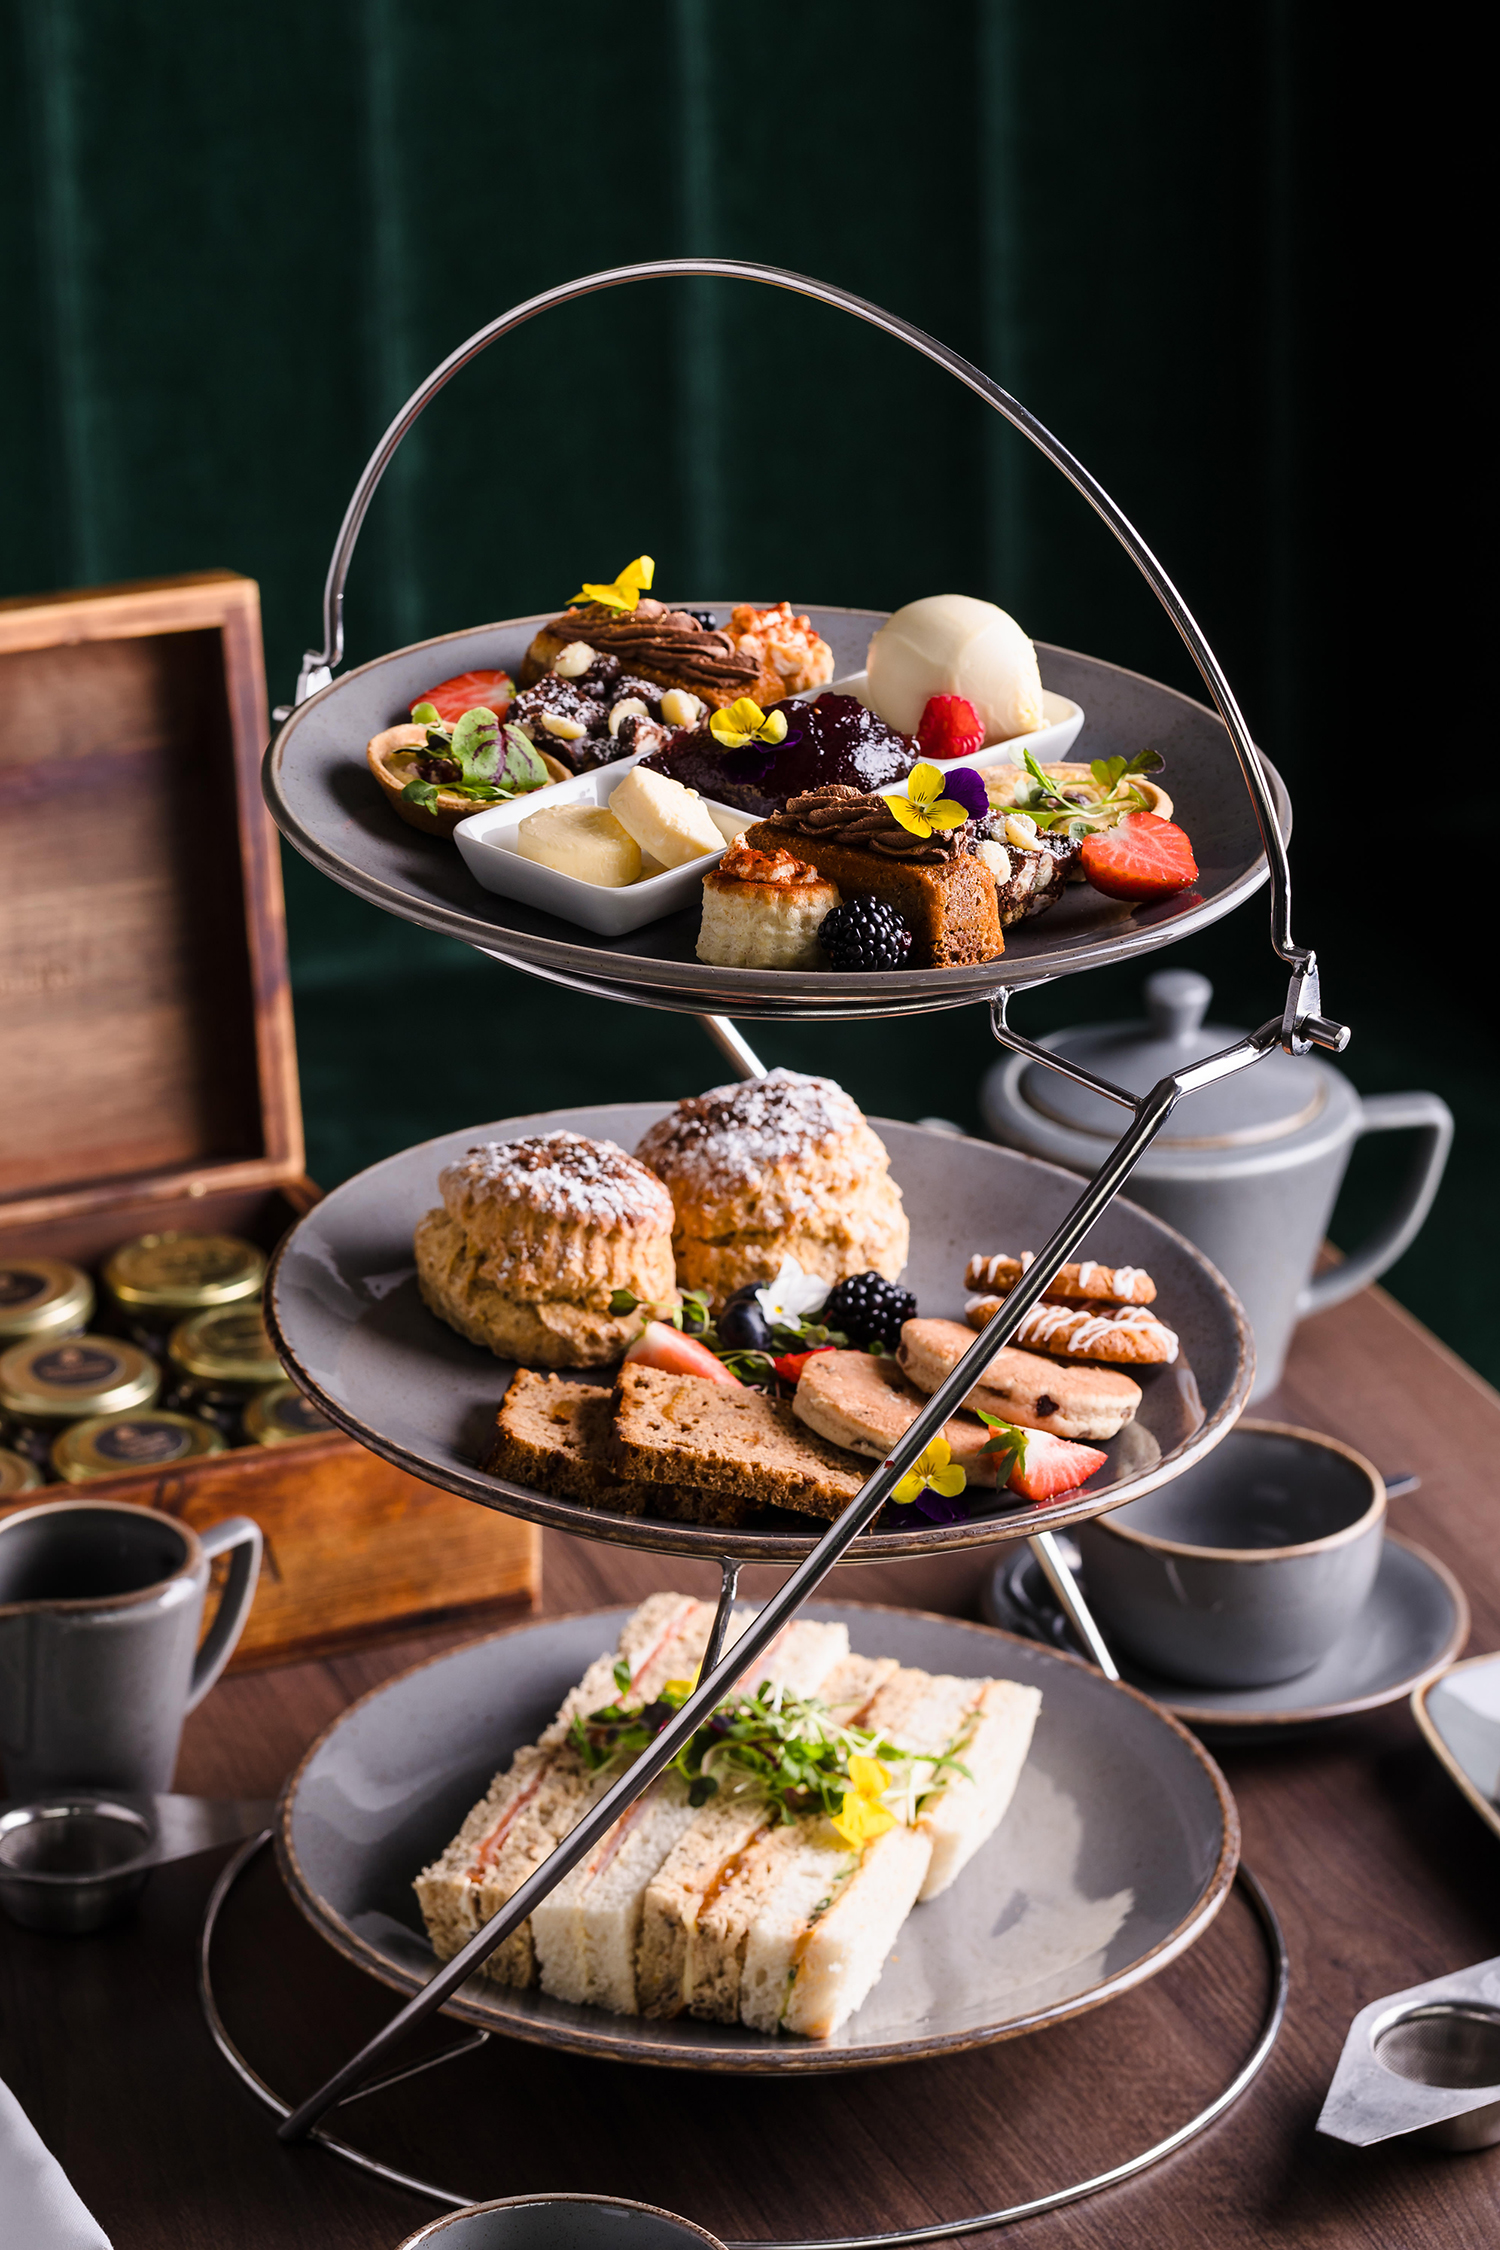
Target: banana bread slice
{"points": [[555, 1436], [684, 1428]]}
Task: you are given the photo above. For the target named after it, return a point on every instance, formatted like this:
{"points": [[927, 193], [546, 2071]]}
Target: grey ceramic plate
{"points": [[1460, 1716], [325, 803], [1414, 1623], [343, 1304], [1115, 1855]]}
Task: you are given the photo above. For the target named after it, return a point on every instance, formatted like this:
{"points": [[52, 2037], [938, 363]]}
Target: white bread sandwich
{"points": [[547, 1787], [763, 1878]]}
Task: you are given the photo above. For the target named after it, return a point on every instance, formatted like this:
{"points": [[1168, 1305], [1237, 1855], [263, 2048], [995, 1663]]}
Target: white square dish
{"points": [[1049, 744], [487, 840]]}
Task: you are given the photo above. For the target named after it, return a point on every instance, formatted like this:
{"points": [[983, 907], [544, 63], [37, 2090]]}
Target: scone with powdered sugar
{"points": [[533, 1238], [778, 1167]]}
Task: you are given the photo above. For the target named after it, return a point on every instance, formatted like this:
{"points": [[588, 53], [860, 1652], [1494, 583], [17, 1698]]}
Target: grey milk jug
{"points": [[1248, 1169], [100, 1610]]}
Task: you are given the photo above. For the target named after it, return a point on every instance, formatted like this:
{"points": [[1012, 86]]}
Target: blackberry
{"points": [[869, 1309], [864, 933]]}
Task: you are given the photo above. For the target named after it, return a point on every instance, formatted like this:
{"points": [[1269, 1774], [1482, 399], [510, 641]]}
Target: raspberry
{"points": [[868, 1309], [864, 933], [949, 728], [1142, 858]]}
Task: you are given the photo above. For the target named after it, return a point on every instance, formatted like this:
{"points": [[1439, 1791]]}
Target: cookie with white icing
{"points": [[1118, 1335]]}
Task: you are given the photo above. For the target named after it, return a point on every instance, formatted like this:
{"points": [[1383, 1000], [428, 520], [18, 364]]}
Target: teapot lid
{"points": [[1278, 1097]]}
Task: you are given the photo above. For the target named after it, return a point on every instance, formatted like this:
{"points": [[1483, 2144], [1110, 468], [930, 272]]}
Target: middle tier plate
{"points": [[343, 1304]]}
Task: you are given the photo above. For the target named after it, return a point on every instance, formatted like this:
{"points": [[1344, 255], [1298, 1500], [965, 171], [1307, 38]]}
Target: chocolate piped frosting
{"points": [[869, 824], [653, 638]]}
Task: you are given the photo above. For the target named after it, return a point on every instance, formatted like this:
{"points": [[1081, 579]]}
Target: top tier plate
{"points": [[324, 801]]}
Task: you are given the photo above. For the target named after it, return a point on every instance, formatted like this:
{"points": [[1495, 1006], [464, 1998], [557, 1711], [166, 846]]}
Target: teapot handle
{"points": [[1431, 1119]]}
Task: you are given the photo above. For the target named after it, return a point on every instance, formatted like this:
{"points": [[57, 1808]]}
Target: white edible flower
{"points": [[792, 1296]]}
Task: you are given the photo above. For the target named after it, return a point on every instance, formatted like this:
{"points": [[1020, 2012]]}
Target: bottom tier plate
{"points": [[1116, 1854]]}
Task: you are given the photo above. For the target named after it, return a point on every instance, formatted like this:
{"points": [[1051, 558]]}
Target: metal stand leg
{"points": [[729, 1570], [740, 1052], [1071, 1602]]}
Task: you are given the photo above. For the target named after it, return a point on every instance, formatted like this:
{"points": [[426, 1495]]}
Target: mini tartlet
{"points": [[393, 758]]}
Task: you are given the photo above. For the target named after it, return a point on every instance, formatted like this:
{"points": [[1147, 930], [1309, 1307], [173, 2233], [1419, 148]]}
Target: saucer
{"points": [[1411, 1628], [1460, 1716]]}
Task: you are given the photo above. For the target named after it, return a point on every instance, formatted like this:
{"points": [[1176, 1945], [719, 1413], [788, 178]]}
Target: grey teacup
{"points": [[100, 1610], [562, 2222], [1247, 1568]]}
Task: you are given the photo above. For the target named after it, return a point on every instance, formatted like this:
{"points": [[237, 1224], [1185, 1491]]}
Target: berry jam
{"points": [[832, 739]]}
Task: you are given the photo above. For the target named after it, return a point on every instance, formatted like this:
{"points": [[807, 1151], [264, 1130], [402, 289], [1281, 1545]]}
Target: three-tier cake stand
{"points": [[320, 798]]}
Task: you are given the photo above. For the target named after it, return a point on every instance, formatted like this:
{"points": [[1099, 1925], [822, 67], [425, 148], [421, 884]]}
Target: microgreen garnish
{"points": [[1040, 797], [789, 1750], [1008, 1443], [494, 764]]}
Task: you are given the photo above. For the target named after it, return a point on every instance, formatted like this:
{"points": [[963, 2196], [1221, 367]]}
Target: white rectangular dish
{"points": [[487, 840], [1048, 744]]}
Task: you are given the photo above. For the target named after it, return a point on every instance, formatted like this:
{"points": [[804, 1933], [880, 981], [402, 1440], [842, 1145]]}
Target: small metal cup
{"points": [[69, 1866], [1454, 2044], [562, 2222]]}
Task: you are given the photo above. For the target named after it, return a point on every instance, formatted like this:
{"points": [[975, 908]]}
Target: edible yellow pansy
{"points": [[924, 807], [633, 581], [935, 1467], [744, 722], [862, 1817]]}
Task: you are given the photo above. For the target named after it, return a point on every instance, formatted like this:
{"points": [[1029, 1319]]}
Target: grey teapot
{"points": [[1248, 1169]]}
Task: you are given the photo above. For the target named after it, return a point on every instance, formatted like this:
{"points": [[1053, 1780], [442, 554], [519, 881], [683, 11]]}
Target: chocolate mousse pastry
{"points": [[1031, 867], [670, 647], [533, 1238], [944, 893], [832, 739], [590, 710], [763, 910], [777, 1167]]}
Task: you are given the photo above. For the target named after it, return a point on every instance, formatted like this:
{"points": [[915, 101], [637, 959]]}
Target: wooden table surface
{"points": [[1381, 1874]]}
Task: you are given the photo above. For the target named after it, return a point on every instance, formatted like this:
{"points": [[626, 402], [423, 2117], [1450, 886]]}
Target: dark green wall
{"points": [[234, 239]]}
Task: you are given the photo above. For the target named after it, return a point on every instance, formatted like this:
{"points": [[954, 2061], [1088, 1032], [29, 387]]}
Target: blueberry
{"points": [[742, 1325]]}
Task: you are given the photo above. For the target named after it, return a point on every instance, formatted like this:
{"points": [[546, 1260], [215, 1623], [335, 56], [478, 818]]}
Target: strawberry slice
{"points": [[949, 727], [470, 691], [660, 1345], [1053, 1466], [1143, 857], [790, 1365]]}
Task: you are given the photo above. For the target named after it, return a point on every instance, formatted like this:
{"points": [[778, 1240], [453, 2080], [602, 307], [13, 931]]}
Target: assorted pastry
{"points": [[715, 1326], [764, 1877]]}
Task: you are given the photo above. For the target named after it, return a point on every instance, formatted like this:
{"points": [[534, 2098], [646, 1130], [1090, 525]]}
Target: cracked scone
{"points": [[532, 1239], [778, 1167]]}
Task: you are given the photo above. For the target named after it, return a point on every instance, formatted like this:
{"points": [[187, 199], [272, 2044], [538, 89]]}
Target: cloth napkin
{"points": [[38, 2206]]}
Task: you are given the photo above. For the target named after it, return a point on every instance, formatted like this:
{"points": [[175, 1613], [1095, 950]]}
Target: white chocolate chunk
{"points": [[680, 709], [628, 706], [574, 660], [671, 823], [996, 858], [566, 730], [584, 841]]}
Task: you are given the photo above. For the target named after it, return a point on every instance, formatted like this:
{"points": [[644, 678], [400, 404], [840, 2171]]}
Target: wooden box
{"points": [[150, 1070]]}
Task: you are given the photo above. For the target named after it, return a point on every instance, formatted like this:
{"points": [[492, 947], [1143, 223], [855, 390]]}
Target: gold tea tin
{"points": [[17, 1474], [67, 1378], [111, 1445], [226, 1346], [282, 1416], [43, 1297], [181, 1273]]}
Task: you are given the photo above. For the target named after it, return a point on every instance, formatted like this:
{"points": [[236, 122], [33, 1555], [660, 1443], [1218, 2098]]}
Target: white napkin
{"points": [[40, 2207]]}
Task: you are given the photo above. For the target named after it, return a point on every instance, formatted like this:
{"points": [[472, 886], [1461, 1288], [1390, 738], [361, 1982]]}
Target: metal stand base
{"points": [[979, 2223]]}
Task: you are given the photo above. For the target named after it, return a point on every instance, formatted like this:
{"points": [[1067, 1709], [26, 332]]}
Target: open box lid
{"points": [[146, 1040]]}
